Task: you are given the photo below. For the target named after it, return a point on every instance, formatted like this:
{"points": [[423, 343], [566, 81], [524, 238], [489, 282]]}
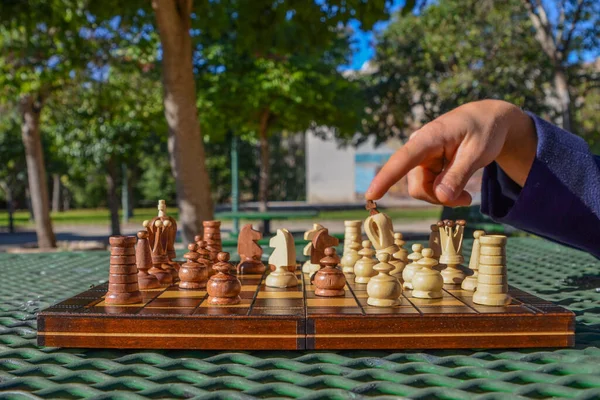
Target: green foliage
{"points": [[13, 175], [260, 28], [454, 52]]}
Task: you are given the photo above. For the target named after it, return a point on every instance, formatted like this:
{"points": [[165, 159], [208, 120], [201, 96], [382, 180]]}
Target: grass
{"points": [[102, 216]]}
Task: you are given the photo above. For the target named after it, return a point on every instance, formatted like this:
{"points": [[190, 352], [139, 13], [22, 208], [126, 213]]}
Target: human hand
{"points": [[440, 157]]}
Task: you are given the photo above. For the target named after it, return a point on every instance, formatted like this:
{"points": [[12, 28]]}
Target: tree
{"points": [[104, 122], [186, 149], [452, 53], [39, 45], [279, 72], [567, 31], [12, 177], [259, 97]]}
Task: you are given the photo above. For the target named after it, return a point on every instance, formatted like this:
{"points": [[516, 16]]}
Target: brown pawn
{"points": [[329, 280], [192, 274], [212, 237], [143, 255], [204, 256], [223, 288], [123, 279]]}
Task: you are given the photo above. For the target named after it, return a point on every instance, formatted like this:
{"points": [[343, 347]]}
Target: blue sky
{"points": [[364, 48]]}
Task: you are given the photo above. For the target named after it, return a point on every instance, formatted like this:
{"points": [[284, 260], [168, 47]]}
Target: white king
{"points": [[451, 240]]}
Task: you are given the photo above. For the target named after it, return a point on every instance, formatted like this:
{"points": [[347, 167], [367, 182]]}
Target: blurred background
{"points": [[258, 110]]}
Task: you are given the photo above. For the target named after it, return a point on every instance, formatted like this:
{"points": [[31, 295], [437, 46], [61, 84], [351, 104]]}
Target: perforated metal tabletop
{"points": [[32, 282]]}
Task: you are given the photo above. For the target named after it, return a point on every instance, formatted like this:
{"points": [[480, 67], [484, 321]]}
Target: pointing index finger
{"points": [[410, 155]]}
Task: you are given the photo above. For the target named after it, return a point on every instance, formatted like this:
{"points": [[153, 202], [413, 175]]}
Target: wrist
{"points": [[520, 146]]}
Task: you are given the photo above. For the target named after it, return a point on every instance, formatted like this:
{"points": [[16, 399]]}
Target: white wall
{"points": [[329, 171]]}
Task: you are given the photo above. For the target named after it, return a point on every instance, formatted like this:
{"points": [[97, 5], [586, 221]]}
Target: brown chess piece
{"points": [[223, 288], [143, 256], [123, 279], [250, 251], [170, 265], [212, 237], [204, 255], [160, 259], [192, 274], [321, 241], [329, 280], [171, 231]]}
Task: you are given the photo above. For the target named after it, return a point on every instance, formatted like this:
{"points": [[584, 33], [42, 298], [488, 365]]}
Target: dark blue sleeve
{"points": [[561, 197]]}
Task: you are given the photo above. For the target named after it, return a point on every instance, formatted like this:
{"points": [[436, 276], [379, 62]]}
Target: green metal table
{"points": [[34, 281]]}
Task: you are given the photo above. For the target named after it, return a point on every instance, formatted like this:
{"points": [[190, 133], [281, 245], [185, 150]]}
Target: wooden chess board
{"points": [[294, 318]]}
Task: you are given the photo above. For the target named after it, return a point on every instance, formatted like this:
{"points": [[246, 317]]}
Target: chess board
{"points": [[294, 318]]}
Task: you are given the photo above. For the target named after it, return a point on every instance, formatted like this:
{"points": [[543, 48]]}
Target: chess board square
{"points": [[331, 302], [334, 310], [245, 303], [239, 309], [182, 293], [512, 309], [447, 310], [102, 303], [280, 295], [443, 302], [403, 308], [249, 288], [174, 302], [291, 311], [279, 303]]}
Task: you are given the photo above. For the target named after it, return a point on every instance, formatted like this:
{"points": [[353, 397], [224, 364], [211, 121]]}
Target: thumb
{"points": [[450, 183]]}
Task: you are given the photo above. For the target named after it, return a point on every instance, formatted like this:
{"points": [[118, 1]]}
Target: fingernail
{"points": [[449, 193]]}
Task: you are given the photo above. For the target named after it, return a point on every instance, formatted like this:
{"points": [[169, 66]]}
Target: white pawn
{"points": [[363, 269], [400, 259], [427, 282], [282, 257], [383, 289], [350, 258], [402, 253], [409, 271]]}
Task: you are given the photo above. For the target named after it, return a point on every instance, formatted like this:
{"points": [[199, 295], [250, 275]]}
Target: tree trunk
{"points": [[66, 199], [561, 86], [36, 170], [265, 159], [186, 149], [113, 197], [55, 192], [29, 206], [131, 179], [10, 206]]}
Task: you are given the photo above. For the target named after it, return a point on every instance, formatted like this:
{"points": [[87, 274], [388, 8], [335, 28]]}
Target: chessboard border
{"points": [[548, 325]]}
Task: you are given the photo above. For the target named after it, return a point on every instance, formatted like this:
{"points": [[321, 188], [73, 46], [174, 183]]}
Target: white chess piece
{"points": [[470, 282], [383, 289], [427, 282], [350, 258], [363, 269], [409, 271], [282, 257]]}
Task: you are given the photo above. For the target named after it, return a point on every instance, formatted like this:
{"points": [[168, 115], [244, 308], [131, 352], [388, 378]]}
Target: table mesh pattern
{"points": [[32, 282]]}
